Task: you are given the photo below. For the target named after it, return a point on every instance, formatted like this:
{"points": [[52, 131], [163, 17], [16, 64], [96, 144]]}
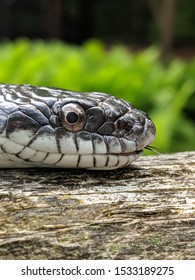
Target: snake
{"points": [[52, 127]]}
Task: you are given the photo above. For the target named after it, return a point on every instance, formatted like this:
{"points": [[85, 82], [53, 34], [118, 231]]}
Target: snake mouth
{"points": [[127, 154]]}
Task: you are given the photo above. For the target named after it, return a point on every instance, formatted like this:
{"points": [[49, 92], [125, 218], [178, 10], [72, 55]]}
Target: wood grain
{"points": [[146, 211]]}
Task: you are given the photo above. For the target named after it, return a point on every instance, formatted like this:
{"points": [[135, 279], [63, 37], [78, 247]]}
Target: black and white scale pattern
{"points": [[33, 134]]}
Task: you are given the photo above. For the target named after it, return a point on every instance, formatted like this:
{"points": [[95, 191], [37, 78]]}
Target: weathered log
{"points": [[146, 211]]}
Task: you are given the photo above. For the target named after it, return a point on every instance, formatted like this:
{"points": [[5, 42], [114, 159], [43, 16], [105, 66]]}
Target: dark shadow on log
{"points": [[146, 211]]}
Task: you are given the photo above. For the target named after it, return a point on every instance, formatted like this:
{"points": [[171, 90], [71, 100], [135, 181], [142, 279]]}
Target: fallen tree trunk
{"points": [[146, 211]]}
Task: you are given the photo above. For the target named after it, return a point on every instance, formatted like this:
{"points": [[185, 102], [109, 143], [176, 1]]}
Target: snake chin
{"points": [[113, 161]]}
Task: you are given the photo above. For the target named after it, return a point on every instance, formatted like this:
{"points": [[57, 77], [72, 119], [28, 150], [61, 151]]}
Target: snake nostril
{"points": [[123, 126]]}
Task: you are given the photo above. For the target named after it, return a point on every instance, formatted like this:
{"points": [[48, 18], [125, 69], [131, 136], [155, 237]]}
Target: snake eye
{"points": [[73, 117]]}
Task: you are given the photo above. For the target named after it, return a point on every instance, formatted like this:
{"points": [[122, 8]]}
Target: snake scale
{"points": [[48, 127]]}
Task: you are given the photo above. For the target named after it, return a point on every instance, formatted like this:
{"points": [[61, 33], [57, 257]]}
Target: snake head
{"points": [[109, 132], [47, 127]]}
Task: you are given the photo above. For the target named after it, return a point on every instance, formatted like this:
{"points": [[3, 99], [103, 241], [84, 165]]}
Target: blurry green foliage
{"points": [[165, 93]]}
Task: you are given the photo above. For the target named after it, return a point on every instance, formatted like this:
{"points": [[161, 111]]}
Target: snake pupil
{"points": [[72, 118]]}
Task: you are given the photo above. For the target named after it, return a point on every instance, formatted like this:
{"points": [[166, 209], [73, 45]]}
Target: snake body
{"points": [[48, 127]]}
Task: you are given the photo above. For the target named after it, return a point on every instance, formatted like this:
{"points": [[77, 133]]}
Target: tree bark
{"points": [[146, 211], [164, 14], [167, 28], [51, 18]]}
